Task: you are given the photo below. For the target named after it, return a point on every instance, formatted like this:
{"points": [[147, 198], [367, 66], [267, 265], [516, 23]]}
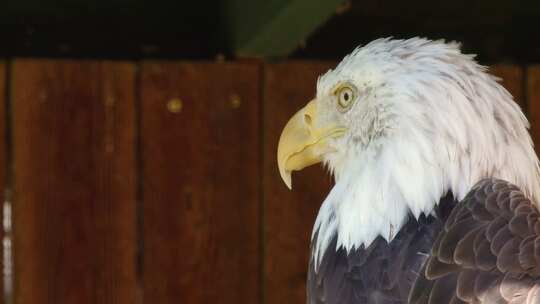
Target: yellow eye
{"points": [[346, 94]]}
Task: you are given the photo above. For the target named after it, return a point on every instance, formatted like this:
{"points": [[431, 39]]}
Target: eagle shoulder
{"points": [[487, 252]]}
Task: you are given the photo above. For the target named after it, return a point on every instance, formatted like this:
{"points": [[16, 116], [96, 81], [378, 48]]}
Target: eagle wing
{"points": [[488, 251]]}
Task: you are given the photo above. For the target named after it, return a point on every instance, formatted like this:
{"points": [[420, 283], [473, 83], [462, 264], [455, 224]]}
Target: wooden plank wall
{"points": [[74, 176], [158, 183], [200, 167], [3, 160]]}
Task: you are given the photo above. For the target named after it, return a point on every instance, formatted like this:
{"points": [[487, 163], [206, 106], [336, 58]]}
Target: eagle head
{"points": [[399, 124]]}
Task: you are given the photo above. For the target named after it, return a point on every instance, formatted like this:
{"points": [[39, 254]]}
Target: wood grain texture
{"points": [[288, 215], [74, 174], [533, 103], [512, 77], [201, 191], [3, 159]]}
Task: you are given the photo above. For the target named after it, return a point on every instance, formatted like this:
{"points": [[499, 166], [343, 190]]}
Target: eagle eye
{"points": [[346, 94]]}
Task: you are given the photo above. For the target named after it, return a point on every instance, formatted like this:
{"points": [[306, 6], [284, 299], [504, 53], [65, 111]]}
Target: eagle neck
{"points": [[379, 188]]}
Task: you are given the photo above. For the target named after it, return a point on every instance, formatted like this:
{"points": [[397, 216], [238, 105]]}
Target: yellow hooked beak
{"points": [[304, 141]]}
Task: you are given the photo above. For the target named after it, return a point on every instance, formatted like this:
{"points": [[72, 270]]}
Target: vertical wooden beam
{"points": [[201, 196], [512, 77], [289, 215], [533, 103], [74, 176], [3, 169]]}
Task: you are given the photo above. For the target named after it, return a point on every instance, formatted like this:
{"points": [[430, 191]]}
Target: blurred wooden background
{"points": [[156, 181]]}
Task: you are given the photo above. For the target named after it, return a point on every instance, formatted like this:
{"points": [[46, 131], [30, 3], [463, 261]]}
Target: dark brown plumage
{"points": [[488, 251], [484, 250]]}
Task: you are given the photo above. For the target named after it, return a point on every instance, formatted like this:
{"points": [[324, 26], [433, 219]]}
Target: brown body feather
{"points": [[488, 251]]}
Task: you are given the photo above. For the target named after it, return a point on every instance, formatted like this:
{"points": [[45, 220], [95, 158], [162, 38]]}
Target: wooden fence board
{"points": [[289, 215], [74, 172], [533, 103], [201, 195], [3, 164], [74, 175]]}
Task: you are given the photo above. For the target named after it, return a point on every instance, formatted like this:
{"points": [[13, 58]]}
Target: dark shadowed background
{"points": [[138, 140]]}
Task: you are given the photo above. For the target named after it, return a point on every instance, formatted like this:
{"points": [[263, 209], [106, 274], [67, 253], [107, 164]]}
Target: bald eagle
{"points": [[436, 180]]}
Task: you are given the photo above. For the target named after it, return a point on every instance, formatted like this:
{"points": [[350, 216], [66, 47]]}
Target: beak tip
{"points": [[286, 177]]}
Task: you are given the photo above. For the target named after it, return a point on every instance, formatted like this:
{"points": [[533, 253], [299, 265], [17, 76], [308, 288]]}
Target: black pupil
{"points": [[346, 96]]}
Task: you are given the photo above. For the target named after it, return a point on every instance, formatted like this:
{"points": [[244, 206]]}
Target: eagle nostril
{"points": [[307, 119]]}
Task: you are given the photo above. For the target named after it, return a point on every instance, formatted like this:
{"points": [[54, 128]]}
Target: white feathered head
{"points": [[400, 123]]}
